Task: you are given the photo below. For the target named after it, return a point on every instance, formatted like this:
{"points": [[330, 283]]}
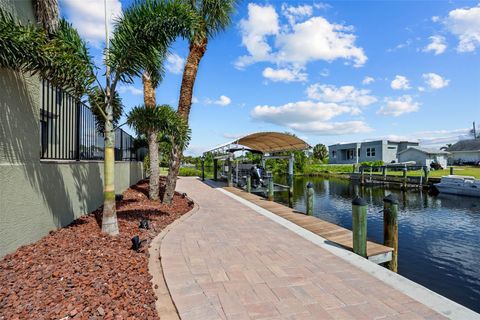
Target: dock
{"points": [[376, 253]]}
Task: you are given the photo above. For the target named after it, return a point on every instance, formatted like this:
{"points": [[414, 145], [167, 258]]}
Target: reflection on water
{"points": [[439, 236]]}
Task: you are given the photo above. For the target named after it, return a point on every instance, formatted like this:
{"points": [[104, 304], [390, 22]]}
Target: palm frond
{"points": [[63, 58], [145, 31], [96, 99], [162, 119]]}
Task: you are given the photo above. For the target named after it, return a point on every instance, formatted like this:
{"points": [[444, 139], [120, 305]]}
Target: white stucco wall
{"points": [[421, 158]]}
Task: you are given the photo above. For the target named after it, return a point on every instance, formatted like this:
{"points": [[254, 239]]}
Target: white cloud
{"points": [[435, 18], [129, 89], [309, 116], [401, 105], [232, 135], [400, 83], [332, 128], [195, 99], [222, 101], [295, 13], [297, 44], [402, 45], [432, 138], [325, 73], [262, 21], [465, 24], [437, 45], [175, 63], [435, 81], [318, 39], [368, 80], [346, 95], [284, 75], [88, 17]]}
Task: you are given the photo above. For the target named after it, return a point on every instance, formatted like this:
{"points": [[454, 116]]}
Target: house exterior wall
{"points": [[38, 196], [422, 158], [465, 156], [385, 151]]}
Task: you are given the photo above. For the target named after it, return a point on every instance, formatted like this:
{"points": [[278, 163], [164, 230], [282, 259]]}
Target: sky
{"points": [[329, 72]]}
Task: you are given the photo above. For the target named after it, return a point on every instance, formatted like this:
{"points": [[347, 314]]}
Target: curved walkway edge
{"points": [[231, 259], [164, 304]]}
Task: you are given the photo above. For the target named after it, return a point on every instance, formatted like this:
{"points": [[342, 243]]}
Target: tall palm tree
{"points": [[214, 16], [151, 77], [144, 30]]}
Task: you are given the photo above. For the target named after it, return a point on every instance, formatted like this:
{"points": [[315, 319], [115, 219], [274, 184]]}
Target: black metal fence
{"points": [[68, 130]]}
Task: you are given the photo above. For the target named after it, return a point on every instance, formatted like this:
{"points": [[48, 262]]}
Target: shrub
{"points": [[189, 172]]}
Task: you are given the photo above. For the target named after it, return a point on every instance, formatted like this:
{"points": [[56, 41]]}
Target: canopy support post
{"points": [[215, 169]]}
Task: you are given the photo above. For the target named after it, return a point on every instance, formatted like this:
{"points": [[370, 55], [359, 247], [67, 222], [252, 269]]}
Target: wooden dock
{"points": [[376, 253]]}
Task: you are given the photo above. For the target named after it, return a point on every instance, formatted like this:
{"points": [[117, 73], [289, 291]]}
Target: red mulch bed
{"points": [[79, 273]]}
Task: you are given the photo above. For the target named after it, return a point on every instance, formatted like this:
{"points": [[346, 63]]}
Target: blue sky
{"points": [[329, 72]]}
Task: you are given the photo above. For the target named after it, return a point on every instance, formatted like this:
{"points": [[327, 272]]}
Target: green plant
{"points": [[189, 172]]}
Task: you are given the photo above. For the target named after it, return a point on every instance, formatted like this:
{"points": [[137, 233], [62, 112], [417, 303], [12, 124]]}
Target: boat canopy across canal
{"points": [[271, 145]]}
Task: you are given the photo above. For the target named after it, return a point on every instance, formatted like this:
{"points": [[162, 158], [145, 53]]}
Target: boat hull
{"points": [[461, 191]]}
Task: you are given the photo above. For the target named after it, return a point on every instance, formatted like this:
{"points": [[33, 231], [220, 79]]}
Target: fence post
{"points": [[77, 130], [359, 226], [249, 183], [390, 228], [310, 193], [270, 189]]}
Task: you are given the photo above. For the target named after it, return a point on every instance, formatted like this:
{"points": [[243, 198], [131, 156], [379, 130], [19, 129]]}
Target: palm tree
{"points": [[446, 147], [320, 152], [214, 16], [163, 120], [143, 32]]}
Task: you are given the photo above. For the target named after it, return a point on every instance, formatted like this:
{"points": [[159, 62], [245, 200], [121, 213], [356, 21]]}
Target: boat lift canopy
{"points": [[262, 142]]}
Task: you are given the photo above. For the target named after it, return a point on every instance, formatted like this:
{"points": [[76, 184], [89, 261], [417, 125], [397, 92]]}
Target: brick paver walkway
{"points": [[228, 262]]}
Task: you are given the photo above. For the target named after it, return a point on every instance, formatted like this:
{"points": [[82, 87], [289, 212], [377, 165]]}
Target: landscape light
{"points": [[144, 224]]}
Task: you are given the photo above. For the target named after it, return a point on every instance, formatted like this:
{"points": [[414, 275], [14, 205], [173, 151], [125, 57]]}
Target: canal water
{"points": [[439, 236]]}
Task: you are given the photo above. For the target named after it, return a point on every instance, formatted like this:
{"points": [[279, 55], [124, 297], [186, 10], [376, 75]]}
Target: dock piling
{"points": [[290, 191], [404, 181], [270, 189], [203, 169], [390, 228], [359, 226], [215, 169], [249, 184], [451, 171], [362, 174], [310, 193]]}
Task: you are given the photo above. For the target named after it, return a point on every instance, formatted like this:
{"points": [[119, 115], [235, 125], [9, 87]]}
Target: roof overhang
{"points": [[264, 142]]}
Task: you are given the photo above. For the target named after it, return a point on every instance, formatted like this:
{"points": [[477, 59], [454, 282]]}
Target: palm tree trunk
{"points": [[197, 50], [109, 219], [174, 166], [150, 102]]}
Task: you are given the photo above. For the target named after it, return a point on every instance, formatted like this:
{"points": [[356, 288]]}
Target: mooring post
{"points": [[426, 171], [290, 190], [215, 169], [390, 228], [353, 168], [362, 175], [310, 193], [270, 188], [359, 226], [249, 183], [203, 169], [404, 183], [384, 172], [451, 171]]}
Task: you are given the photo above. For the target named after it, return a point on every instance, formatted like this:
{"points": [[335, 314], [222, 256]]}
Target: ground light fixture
{"points": [[144, 224], [137, 243]]}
